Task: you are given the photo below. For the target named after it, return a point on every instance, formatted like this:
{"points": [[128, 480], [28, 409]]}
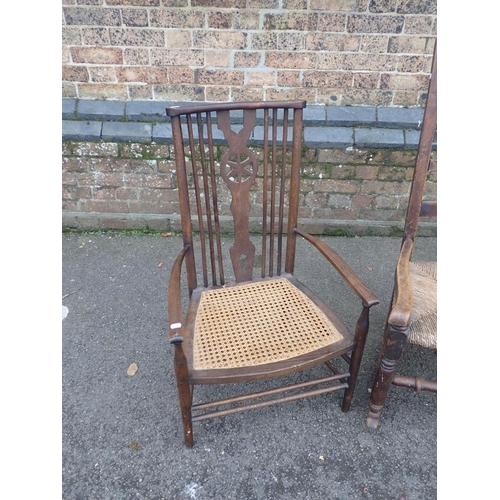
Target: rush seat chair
{"points": [[238, 172], [413, 313]]}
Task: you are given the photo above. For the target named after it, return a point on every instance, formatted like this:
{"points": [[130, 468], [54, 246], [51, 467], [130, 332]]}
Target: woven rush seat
{"points": [[258, 323], [423, 319]]}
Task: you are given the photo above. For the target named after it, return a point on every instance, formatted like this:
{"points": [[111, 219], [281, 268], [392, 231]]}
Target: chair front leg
{"points": [[185, 393], [395, 340], [359, 345]]}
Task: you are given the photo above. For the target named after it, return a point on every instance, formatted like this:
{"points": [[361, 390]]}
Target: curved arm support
{"points": [[174, 299], [403, 296], [350, 277]]}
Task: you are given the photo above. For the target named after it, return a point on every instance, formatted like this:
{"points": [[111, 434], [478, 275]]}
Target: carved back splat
{"points": [[239, 168]]}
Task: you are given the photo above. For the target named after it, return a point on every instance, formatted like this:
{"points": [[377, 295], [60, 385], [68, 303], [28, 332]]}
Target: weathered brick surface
{"points": [[334, 52], [132, 185]]}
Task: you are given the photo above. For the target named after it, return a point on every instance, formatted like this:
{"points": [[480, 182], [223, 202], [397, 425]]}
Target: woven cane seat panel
{"points": [[423, 320], [257, 323]]}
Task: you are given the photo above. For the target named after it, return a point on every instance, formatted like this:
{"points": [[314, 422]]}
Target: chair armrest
{"points": [[351, 278], [403, 296], [174, 299]]}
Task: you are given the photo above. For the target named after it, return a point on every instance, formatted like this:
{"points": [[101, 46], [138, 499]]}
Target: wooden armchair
{"points": [[413, 313], [238, 170]]}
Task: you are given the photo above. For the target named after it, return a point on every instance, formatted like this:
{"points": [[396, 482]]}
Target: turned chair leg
{"points": [[185, 394], [395, 340], [359, 345]]}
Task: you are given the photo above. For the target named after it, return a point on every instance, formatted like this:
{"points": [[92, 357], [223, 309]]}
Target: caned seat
{"points": [[260, 324], [413, 310], [238, 173]]}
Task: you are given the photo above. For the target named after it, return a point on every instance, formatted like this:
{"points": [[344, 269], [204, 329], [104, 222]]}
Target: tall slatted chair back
{"points": [[248, 317], [413, 311], [226, 178]]}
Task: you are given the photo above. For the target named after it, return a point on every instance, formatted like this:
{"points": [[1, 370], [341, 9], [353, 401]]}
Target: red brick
{"points": [[96, 55], [102, 74], [404, 82], [407, 44], [289, 78], [365, 80], [264, 41], [332, 42], [337, 186], [102, 149], [68, 179], [140, 91], [177, 57], [171, 18], [389, 215], [219, 77], [339, 5], [375, 24], [179, 92], [220, 20], [291, 60], [229, 4], [380, 187], [246, 20], [178, 39], [135, 17], [126, 193], [140, 37], [95, 36], [104, 193], [179, 74], [142, 3], [291, 41], [365, 172], [374, 43], [75, 74], [247, 93], [218, 58], [331, 22], [326, 78], [361, 201], [136, 57], [247, 59], [290, 21], [220, 39], [142, 207], [75, 193], [107, 206], [291, 94], [267, 78], [142, 74], [102, 91], [414, 64]]}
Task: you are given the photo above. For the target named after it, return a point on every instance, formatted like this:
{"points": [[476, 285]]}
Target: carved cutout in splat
{"points": [[238, 169]]}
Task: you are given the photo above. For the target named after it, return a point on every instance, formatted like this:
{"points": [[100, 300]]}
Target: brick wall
{"points": [[110, 185], [335, 52]]}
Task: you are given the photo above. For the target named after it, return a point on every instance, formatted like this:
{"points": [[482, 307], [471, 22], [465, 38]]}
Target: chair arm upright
{"points": [[174, 305], [402, 303], [350, 277]]}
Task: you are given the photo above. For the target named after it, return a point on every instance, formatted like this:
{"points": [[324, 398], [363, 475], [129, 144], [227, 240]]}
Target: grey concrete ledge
{"points": [[154, 111], [314, 136], [324, 126]]}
